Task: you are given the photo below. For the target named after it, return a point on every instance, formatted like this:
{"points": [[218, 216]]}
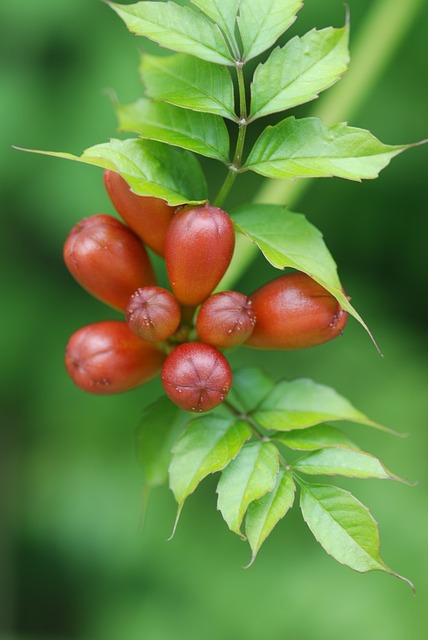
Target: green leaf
{"points": [[177, 28], [247, 478], [190, 83], [223, 13], [198, 132], [264, 514], [344, 527], [161, 424], [150, 168], [307, 148], [313, 438], [303, 403], [250, 387], [261, 22], [298, 72], [287, 239], [208, 445], [343, 461]]}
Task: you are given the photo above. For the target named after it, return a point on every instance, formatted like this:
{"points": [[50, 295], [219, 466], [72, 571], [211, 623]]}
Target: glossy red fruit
{"points": [[153, 314], [294, 312], [107, 259], [225, 319], [199, 245], [196, 377], [106, 357], [149, 217]]}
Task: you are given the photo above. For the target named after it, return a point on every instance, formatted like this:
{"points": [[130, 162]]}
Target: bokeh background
{"points": [[75, 562]]}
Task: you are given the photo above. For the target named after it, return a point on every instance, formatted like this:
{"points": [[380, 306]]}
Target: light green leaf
{"points": [[223, 13], [161, 424], [344, 528], [190, 83], [287, 239], [250, 387], [247, 478], [307, 148], [298, 72], [208, 445], [343, 461], [150, 168], [261, 22], [313, 438], [302, 403], [198, 132], [265, 513], [177, 28]]}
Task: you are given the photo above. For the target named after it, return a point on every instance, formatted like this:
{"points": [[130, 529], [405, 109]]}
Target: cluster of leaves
{"points": [[188, 97]]}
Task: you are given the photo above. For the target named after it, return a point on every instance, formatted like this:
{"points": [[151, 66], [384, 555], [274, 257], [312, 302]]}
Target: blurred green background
{"points": [[74, 561]]}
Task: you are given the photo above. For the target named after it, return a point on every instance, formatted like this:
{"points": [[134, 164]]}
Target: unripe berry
{"points": [[199, 245], [107, 259], [293, 312], [106, 357], [148, 217], [196, 377], [225, 319], [153, 314]]}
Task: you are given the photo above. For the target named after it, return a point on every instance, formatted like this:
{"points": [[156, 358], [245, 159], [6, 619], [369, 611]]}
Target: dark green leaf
{"points": [[177, 28], [298, 72], [198, 132], [313, 438], [265, 513], [161, 424], [208, 445], [247, 478], [190, 83], [150, 168], [307, 148], [250, 386], [261, 22], [344, 527], [223, 13]]}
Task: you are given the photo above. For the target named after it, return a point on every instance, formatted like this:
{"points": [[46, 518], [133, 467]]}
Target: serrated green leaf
{"points": [[223, 13], [201, 133], [177, 28], [303, 403], [343, 461], [150, 168], [261, 22], [250, 386], [287, 239], [307, 148], [208, 445], [190, 83], [344, 527], [299, 71], [313, 438], [161, 424], [247, 478], [264, 514]]}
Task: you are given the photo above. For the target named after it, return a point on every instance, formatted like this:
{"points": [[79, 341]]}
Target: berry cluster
{"points": [[109, 259]]}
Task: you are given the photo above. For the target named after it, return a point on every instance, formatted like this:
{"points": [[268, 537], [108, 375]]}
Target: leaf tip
{"points": [[177, 517], [253, 557]]}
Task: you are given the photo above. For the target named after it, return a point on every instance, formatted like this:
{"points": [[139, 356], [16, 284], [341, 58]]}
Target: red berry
{"points": [[153, 314], [196, 377], [149, 217], [225, 319], [293, 312], [106, 357], [107, 259], [199, 245]]}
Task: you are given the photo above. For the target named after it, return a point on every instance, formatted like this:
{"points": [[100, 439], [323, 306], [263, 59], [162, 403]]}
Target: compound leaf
{"points": [[177, 28], [313, 438], [299, 71], [223, 13], [188, 82], [201, 133], [247, 478]]}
